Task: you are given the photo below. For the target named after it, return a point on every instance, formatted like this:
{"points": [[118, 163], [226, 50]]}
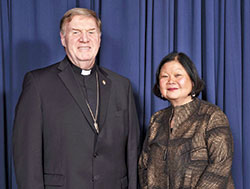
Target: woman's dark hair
{"points": [[186, 62]]}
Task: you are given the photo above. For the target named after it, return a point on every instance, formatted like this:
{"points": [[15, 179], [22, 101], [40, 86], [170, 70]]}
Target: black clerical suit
{"points": [[55, 144]]}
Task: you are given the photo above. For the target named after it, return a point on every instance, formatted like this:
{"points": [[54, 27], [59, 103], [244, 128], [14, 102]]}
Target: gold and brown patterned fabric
{"points": [[197, 153]]}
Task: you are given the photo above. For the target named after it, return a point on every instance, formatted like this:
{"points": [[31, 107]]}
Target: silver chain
{"points": [[97, 105]]}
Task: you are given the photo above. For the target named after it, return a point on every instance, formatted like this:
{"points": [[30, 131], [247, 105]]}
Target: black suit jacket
{"points": [[54, 142]]}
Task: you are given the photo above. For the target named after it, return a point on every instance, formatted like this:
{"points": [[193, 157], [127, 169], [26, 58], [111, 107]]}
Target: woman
{"points": [[188, 144]]}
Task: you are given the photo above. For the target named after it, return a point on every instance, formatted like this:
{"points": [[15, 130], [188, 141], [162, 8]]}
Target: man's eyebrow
{"points": [[87, 29], [76, 29], [91, 29]]}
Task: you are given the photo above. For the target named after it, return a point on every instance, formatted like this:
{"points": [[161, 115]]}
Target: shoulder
{"points": [[113, 75], [209, 108], [118, 81], [39, 74], [216, 117], [45, 70], [42, 77], [161, 114], [157, 122]]}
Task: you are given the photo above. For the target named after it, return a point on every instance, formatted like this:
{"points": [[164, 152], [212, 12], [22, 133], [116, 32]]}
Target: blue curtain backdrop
{"points": [[136, 35]]}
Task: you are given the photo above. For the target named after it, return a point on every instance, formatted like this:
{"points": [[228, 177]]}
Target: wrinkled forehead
{"points": [[80, 22]]}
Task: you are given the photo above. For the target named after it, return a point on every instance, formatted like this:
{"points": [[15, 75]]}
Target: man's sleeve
{"points": [[27, 137], [133, 142]]}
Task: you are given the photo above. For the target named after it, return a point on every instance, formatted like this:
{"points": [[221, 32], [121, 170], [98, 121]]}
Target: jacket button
{"points": [[95, 178], [95, 154]]}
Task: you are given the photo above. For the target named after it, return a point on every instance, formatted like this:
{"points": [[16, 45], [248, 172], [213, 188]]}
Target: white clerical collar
{"points": [[85, 72]]}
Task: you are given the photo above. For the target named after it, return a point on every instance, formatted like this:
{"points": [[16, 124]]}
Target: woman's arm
{"points": [[220, 153]]}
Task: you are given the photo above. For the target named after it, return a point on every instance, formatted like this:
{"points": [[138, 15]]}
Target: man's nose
{"points": [[84, 37]]}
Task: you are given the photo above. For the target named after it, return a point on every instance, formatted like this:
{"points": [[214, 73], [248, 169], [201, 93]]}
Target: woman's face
{"points": [[175, 83]]}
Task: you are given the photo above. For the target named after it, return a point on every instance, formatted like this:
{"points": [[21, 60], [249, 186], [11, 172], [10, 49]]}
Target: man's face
{"points": [[81, 38]]}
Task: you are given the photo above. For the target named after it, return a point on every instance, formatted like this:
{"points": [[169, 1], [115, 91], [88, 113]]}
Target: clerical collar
{"points": [[85, 72], [78, 70]]}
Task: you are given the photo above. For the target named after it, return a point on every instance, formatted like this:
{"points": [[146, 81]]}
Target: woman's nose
{"points": [[171, 79]]}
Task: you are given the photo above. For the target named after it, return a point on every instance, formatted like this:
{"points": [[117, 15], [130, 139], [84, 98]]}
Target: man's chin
{"points": [[86, 63]]}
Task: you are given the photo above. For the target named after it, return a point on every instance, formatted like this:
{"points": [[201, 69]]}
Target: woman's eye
{"points": [[164, 76]]}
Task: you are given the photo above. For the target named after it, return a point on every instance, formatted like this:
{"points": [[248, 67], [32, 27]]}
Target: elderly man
{"points": [[76, 124]]}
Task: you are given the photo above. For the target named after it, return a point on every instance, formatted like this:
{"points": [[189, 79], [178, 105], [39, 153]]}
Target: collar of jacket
{"points": [[183, 112]]}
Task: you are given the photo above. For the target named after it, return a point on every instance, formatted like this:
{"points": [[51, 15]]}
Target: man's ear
{"points": [[62, 36]]}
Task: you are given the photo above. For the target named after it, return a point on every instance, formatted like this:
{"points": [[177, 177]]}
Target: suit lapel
{"points": [[105, 89], [67, 76]]}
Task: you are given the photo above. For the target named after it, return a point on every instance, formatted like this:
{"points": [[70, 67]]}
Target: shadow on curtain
{"points": [[136, 35]]}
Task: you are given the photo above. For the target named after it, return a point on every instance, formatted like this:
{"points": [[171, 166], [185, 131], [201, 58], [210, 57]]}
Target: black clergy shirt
{"points": [[87, 84]]}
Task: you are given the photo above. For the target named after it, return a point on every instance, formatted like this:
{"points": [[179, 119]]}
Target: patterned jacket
{"points": [[197, 153]]}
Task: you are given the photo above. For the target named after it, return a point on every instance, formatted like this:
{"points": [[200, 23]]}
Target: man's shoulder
{"points": [[113, 75], [46, 69], [44, 74]]}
